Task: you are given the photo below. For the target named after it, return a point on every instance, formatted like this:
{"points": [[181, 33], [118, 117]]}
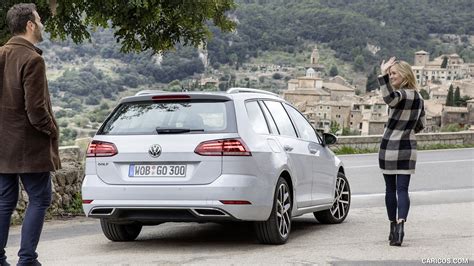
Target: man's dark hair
{"points": [[18, 16]]}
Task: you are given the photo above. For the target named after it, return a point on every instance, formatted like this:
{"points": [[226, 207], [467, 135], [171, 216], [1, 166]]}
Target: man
{"points": [[28, 131]]}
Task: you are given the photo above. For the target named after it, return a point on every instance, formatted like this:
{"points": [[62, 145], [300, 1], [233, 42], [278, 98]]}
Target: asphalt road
{"points": [[440, 228], [435, 170]]}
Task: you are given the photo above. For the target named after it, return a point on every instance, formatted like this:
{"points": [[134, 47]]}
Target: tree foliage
{"points": [[334, 127], [457, 97], [372, 81], [138, 25], [445, 62], [450, 97], [333, 71], [359, 63], [424, 94]]}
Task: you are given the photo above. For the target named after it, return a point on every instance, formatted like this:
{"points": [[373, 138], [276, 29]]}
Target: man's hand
{"points": [[384, 67]]}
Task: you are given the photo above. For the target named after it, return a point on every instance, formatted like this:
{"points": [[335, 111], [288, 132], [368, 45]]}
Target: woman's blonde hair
{"points": [[407, 75]]}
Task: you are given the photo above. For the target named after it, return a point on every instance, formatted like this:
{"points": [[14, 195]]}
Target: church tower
{"points": [[315, 56], [421, 58]]}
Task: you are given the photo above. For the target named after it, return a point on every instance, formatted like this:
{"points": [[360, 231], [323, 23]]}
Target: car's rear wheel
{"points": [[120, 232], [340, 207], [276, 229]]}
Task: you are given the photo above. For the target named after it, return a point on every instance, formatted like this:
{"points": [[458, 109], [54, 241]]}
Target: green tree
{"points": [[138, 25], [359, 63], [463, 100], [334, 127], [424, 94], [333, 71], [445, 62], [277, 76], [457, 97], [450, 97], [372, 81]]}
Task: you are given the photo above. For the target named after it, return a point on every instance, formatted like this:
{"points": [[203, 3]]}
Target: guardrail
{"points": [[423, 139]]}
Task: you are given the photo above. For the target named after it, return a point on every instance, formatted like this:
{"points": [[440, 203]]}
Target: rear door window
{"points": [[147, 117], [256, 118], [270, 121], [281, 118]]}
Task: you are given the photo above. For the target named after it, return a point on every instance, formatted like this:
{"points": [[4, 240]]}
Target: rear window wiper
{"points": [[177, 130]]}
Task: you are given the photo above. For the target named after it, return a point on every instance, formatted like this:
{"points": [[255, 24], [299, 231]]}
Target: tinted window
{"points": [[270, 121], [145, 117], [256, 118], [281, 118], [305, 130]]}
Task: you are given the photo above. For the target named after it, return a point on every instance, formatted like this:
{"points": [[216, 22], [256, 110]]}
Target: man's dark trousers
{"points": [[38, 187]]}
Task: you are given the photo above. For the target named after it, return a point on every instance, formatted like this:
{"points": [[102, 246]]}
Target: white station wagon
{"points": [[240, 155]]}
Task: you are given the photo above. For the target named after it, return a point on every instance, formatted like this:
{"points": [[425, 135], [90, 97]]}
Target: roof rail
{"points": [[237, 90], [145, 92]]}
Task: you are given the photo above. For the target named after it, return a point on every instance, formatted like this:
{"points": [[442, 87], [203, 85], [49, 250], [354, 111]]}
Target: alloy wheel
{"points": [[283, 209], [341, 202]]}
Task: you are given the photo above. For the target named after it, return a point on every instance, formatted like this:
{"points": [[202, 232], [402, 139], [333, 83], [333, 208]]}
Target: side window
{"points": [[304, 128], [270, 120], [282, 119], [256, 118]]}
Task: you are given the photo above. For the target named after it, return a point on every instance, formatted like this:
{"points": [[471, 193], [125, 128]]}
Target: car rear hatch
{"points": [[153, 139]]}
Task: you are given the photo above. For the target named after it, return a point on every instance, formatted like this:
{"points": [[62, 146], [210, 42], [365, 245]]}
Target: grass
{"points": [[75, 207], [350, 150]]}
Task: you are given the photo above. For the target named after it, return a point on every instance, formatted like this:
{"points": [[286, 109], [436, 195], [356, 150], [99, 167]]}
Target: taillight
{"points": [[87, 201], [101, 149], [223, 147]]}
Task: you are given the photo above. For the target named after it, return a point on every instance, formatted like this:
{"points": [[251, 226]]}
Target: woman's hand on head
{"points": [[385, 66]]}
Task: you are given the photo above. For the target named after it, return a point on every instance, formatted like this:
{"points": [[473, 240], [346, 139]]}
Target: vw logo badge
{"points": [[155, 150]]}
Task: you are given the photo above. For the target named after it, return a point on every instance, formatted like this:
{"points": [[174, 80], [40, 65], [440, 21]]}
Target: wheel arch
{"points": [[341, 170], [286, 175]]}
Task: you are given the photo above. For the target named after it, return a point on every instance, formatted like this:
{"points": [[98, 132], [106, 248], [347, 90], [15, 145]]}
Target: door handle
{"points": [[287, 148]]}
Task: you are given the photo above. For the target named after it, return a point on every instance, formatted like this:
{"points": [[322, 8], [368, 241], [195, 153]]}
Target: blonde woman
{"points": [[397, 154]]}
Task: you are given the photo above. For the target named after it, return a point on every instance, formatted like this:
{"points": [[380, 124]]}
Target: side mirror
{"points": [[329, 139]]}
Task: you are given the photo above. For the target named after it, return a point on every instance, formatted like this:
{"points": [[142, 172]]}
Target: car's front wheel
{"points": [[276, 229], [120, 232], [341, 204]]}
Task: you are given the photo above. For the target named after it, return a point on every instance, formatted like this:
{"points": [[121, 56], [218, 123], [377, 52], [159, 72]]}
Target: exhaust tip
{"points": [[209, 212], [102, 211]]}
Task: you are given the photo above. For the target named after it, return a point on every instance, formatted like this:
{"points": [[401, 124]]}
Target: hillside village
{"points": [[331, 104]]}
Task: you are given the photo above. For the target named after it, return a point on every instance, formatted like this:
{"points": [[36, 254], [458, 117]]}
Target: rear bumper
{"points": [[166, 203]]}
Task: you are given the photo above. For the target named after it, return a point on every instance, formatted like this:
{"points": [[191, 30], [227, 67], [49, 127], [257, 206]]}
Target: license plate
{"points": [[158, 170]]}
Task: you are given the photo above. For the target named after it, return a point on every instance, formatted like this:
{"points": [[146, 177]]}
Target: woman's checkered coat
{"points": [[397, 154]]}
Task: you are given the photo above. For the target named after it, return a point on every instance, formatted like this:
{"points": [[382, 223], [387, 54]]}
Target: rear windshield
{"points": [[183, 117]]}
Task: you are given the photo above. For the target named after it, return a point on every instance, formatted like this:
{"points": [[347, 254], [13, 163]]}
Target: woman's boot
{"points": [[393, 227], [399, 234]]}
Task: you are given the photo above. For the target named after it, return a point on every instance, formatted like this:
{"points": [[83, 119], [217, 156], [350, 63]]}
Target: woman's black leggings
{"points": [[396, 186]]}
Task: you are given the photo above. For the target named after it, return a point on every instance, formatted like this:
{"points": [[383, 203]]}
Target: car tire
{"points": [[276, 229], [341, 204], [120, 232]]}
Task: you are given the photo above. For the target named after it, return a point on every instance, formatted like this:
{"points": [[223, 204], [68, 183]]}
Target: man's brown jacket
{"points": [[28, 130]]}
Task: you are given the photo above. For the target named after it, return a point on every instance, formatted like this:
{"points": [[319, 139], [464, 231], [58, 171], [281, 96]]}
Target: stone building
{"points": [[322, 113], [338, 92], [438, 92], [321, 102], [427, 72], [454, 115], [466, 87], [433, 111], [315, 56], [470, 109], [369, 115]]}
